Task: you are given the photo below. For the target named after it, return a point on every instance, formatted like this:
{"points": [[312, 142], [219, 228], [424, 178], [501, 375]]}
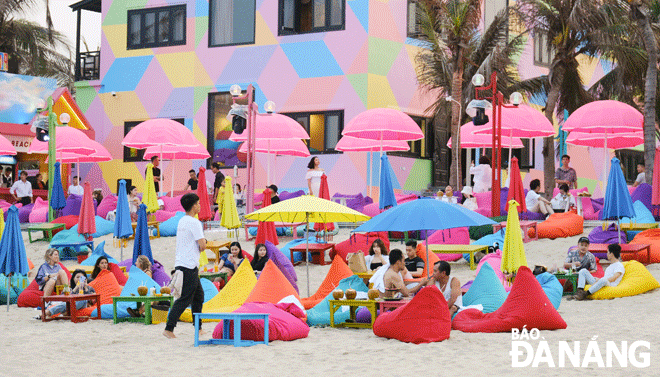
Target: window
{"points": [[324, 129], [415, 12], [526, 154], [132, 154], [156, 27], [543, 54], [424, 147], [221, 149], [629, 160], [311, 16], [231, 22]]}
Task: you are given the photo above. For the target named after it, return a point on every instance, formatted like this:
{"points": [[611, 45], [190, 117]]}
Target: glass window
{"points": [[221, 149], [414, 19], [336, 12], [178, 20], [542, 54], [163, 27], [424, 147], [149, 28], [312, 16], [156, 27], [132, 154], [135, 23], [231, 22], [324, 129]]}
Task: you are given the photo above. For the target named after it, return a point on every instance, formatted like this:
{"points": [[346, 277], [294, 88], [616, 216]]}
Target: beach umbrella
{"points": [[176, 152], [516, 189], [122, 226], [86, 220], [266, 230], [273, 126], [513, 254], [149, 195], [229, 217], [13, 258], [307, 208], [386, 196], [597, 140], [100, 154], [6, 147], [655, 198], [160, 133], [68, 139], [205, 210], [57, 200], [142, 244], [470, 139], [275, 147], [617, 203], [424, 214], [324, 193]]}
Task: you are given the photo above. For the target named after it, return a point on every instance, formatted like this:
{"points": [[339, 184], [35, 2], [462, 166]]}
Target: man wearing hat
{"points": [[273, 196], [581, 258]]}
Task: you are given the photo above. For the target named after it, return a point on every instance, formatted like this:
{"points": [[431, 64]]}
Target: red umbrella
{"points": [[324, 193], [516, 189], [205, 210], [266, 230], [86, 221], [655, 199]]}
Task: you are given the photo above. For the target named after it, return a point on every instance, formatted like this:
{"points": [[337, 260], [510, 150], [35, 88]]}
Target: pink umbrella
{"points": [[274, 126], [6, 148], [282, 147], [100, 154], [383, 124], [595, 140], [68, 139], [177, 152], [470, 139], [86, 220], [159, 132], [655, 198]]}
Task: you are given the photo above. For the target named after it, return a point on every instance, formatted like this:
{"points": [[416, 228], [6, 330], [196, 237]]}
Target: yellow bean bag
{"points": [[636, 280]]}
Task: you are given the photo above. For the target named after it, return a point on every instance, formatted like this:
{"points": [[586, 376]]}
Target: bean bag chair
{"points": [[320, 314], [31, 296], [281, 231], [643, 194], [24, 213], [98, 252], [526, 306], [39, 213], [486, 290], [68, 221], [231, 297], [162, 215], [272, 286], [358, 241], [284, 195], [561, 225], [356, 202], [109, 203], [283, 263], [7, 293], [610, 235], [552, 288], [284, 323], [338, 270], [107, 287], [456, 236], [103, 227], [424, 319], [136, 278], [642, 216], [651, 237], [589, 212], [72, 207], [172, 204], [168, 227], [159, 274], [636, 280], [66, 237]]}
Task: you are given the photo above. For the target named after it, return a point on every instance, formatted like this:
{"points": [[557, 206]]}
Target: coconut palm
{"points": [[33, 48]]}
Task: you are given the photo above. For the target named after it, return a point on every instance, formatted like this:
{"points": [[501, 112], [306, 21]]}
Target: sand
{"points": [[31, 347]]}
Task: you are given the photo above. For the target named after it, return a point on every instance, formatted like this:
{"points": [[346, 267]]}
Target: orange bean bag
{"points": [[652, 237], [338, 270], [31, 296], [272, 286], [105, 285], [561, 225], [424, 319]]}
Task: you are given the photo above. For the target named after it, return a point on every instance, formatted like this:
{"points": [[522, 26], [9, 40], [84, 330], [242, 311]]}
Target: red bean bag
{"points": [[527, 306], [652, 237], [424, 319], [68, 222], [284, 323], [561, 225], [358, 242], [338, 270], [119, 274], [31, 296]]}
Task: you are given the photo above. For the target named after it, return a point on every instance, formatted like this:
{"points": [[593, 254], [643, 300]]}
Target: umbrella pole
{"points": [[172, 183], [426, 239], [605, 166], [268, 164], [370, 156], [9, 294], [307, 251]]}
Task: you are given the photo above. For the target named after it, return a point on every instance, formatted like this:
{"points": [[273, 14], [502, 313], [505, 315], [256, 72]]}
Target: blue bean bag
{"points": [[489, 240], [68, 236], [168, 227], [4, 293], [642, 216], [297, 255], [136, 278], [281, 231], [98, 253], [209, 288], [320, 314], [487, 290], [552, 288]]}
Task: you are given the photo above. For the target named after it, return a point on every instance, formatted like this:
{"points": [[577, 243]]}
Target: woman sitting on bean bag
{"points": [[50, 273], [78, 283], [260, 258], [100, 265], [143, 263], [230, 261]]}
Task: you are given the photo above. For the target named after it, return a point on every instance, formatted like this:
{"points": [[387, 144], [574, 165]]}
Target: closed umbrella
{"points": [[386, 196], [205, 210], [2, 221], [122, 226], [266, 230], [57, 200], [12, 249], [655, 198], [149, 196], [229, 217], [513, 254], [142, 244], [516, 189], [324, 193], [618, 202], [86, 221]]}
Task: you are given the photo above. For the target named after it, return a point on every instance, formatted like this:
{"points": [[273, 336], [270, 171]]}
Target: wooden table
{"points": [[391, 304], [316, 249], [150, 224], [145, 300], [227, 318], [626, 248], [525, 226], [460, 249], [88, 269], [210, 276], [573, 278], [639, 226], [76, 246], [353, 304], [215, 247], [278, 224], [71, 312], [46, 228]]}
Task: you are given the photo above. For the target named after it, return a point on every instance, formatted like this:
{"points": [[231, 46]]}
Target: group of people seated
{"points": [[562, 202]]}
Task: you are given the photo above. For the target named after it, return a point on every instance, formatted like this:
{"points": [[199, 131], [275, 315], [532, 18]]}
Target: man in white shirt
{"points": [[448, 196], [21, 190], [190, 242], [612, 278], [75, 188], [535, 202], [641, 175]]}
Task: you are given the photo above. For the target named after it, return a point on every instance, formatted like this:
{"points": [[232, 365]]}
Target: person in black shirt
{"points": [[192, 182], [414, 264], [7, 181], [260, 258], [156, 161], [273, 196], [219, 177]]}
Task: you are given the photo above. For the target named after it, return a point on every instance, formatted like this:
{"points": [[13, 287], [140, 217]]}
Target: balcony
{"points": [[89, 63]]}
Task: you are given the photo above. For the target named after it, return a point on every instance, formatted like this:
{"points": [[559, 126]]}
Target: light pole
{"points": [[458, 139], [235, 91]]}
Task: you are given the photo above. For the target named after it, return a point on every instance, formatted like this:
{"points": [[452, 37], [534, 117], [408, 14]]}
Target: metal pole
{"points": [[250, 151], [52, 119], [495, 149], [307, 251]]}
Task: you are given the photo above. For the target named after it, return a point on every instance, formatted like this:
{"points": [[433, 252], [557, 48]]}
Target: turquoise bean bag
{"points": [[320, 314], [486, 290], [98, 253], [136, 278], [168, 227], [552, 288]]}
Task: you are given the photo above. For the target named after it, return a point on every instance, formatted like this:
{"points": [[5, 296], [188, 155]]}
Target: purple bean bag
{"points": [[109, 203], [157, 270], [356, 202], [363, 315], [598, 235], [72, 207], [284, 195], [643, 194], [24, 213], [283, 263]]}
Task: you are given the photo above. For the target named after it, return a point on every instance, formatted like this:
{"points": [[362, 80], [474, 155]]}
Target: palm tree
{"points": [[455, 52], [33, 48]]}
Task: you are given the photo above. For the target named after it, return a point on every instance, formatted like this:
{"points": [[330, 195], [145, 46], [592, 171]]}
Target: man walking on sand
{"points": [[190, 242]]}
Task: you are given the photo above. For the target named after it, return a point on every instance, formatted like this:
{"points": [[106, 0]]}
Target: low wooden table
{"points": [[150, 224], [460, 249], [573, 278], [639, 226], [46, 228], [71, 312], [626, 248], [210, 276], [525, 226], [145, 300], [316, 249], [215, 247], [88, 269], [353, 304], [226, 328], [278, 224], [391, 304]]}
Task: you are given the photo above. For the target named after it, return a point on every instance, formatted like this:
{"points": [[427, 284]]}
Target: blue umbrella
{"points": [[123, 228], [57, 199], [386, 196], [424, 214], [142, 245], [618, 202], [12, 249]]}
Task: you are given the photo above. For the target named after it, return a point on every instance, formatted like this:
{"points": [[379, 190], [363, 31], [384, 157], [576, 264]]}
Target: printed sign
{"points": [[20, 143]]}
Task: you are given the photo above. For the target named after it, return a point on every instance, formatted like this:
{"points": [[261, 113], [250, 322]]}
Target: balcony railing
{"points": [[89, 66]]}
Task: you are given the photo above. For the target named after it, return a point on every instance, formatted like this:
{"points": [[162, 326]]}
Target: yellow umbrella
{"points": [[149, 196], [307, 208], [229, 217], [513, 255]]}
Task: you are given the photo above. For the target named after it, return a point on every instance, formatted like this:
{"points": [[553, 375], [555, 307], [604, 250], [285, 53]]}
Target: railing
{"points": [[90, 63]]}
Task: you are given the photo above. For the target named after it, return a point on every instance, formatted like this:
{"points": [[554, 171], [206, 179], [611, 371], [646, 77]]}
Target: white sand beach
{"points": [[100, 348]]}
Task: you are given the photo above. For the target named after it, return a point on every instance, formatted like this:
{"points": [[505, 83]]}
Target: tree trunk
{"points": [[557, 76], [649, 94], [456, 93]]}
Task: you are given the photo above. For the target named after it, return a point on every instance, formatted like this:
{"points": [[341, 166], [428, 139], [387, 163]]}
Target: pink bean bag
{"points": [[31, 296], [109, 203], [456, 236], [163, 215], [39, 212], [172, 204], [424, 319], [527, 306], [358, 242], [284, 323]]}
